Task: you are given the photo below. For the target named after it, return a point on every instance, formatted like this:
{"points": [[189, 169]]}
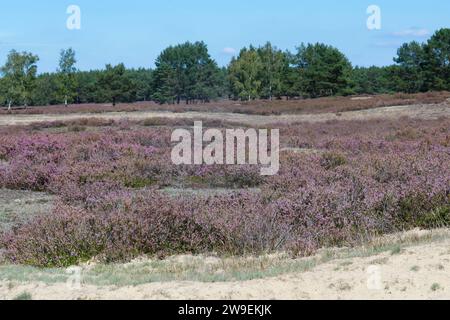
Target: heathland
{"points": [[94, 186]]}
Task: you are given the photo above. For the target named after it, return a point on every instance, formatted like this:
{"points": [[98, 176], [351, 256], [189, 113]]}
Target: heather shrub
{"points": [[148, 224], [62, 239], [69, 236], [439, 217], [246, 224], [120, 227], [333, 160], [76, 128], [262, 107], [150, 122], [243, 177], [354, 182], [424, 211]]}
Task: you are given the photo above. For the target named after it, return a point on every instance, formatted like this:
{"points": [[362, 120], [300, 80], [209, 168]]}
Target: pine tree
{"points": [[437, 61], [115, 85], [323, 70]]}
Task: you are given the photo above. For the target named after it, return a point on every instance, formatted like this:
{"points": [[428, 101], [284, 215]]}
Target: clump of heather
{"points": [[70, 164], [143, 226], [341, 183], [147, 223]]}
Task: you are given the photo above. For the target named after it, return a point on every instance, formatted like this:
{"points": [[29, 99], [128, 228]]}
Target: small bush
{"points": [[24, 296], [436, 218], [76, 128], [151, 225], [436, 287]]}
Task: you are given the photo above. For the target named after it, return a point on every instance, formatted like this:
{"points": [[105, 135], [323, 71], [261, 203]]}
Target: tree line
{"points": [[186, 72]]}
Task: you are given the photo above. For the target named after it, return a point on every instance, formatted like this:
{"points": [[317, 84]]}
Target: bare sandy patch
{"points": [[206, 192], [411, 269], [361, 98], [19, 205]]}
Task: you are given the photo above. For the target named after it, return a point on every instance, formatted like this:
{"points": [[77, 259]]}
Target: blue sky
{"points": [[135, 31]]}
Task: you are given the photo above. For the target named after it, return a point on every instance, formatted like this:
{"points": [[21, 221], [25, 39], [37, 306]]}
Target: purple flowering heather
{"points": [[340, 183]]}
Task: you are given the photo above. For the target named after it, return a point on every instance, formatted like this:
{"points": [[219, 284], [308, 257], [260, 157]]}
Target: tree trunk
{"points": [[65, 102], [9, 105], [114, 102]]}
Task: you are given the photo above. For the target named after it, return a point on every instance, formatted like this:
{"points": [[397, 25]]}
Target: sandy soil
{"points": [[416, 272], [432, 111], [18, 205]]}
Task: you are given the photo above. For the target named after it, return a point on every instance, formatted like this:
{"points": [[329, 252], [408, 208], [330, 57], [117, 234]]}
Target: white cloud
{"points": [[229, 50], [412, 32]]}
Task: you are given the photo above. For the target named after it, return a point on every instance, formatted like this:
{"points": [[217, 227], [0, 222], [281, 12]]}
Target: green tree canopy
{"points": [[411, 59], [115, 85], [274, 72], [19, 75], [371, 80], [142, 83], [186, 71], [323, 70], [66, 71], [437, 55], [245, 74]]}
